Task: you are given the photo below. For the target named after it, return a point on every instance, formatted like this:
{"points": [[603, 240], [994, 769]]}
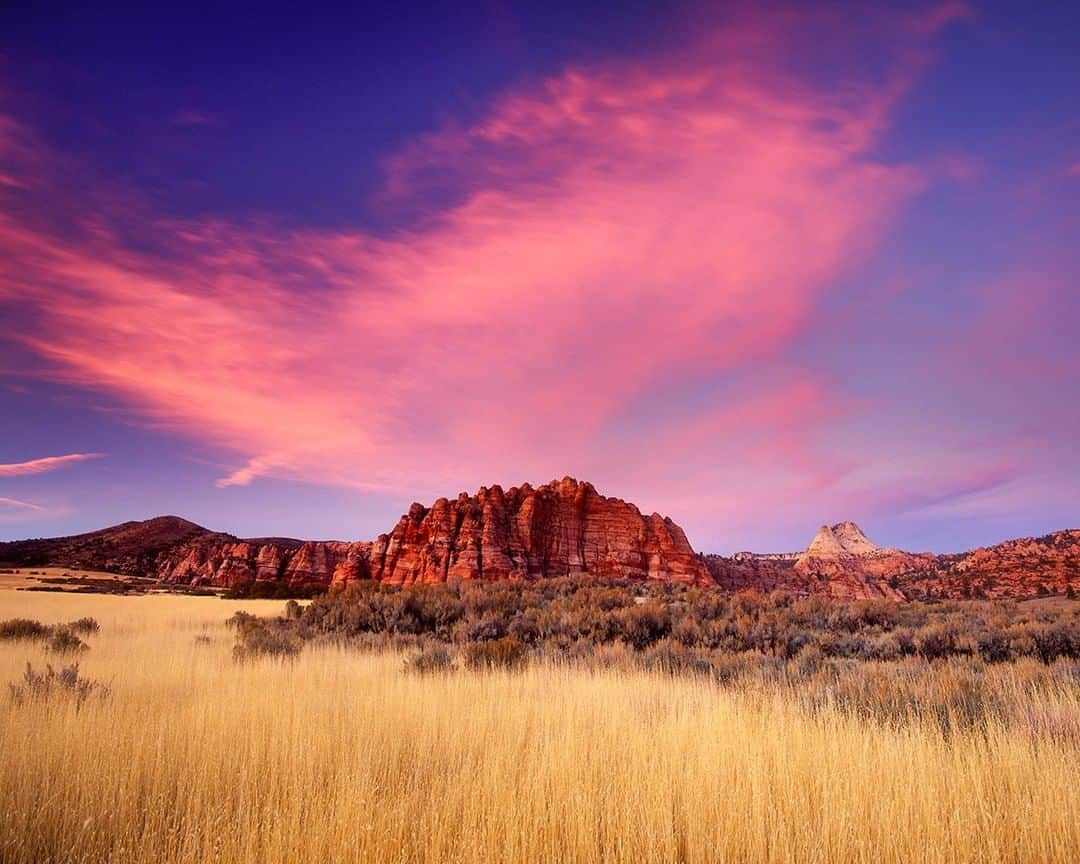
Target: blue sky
{"points": [[757, 268]]}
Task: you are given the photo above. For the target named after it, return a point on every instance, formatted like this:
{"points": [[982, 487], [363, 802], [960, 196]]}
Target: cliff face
{"points": [[225, 561], [563, 528]]}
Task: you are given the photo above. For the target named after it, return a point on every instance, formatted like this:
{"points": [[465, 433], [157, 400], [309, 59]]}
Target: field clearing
{"points": [[341, 756], [26, 577]]}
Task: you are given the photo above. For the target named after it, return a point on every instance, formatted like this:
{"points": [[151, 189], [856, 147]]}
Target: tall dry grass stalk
{"points": [[341, 756]]}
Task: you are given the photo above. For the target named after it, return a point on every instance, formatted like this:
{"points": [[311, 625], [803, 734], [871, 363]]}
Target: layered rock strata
{"points": [[562, 528]]}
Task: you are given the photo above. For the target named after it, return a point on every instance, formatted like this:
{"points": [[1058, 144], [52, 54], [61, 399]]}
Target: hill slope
{"points": [[131, 548]]}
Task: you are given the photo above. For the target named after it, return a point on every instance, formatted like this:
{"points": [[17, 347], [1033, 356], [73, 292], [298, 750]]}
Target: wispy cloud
{"points": [[614, 229], [20, 505], [243, 476], [44, 464]]}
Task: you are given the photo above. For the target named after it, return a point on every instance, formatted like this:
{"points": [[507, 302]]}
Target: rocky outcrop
{"points": [[1027, 567], [842, 562], [747, 571], [224, 561], [558, 529]]}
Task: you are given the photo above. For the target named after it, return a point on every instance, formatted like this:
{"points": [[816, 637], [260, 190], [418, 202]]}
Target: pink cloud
{"points": [[943, 487], [46, 463], [617, 228]]}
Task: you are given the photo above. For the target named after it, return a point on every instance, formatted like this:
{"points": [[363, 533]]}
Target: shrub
{"points": [[489, 628], [22, 628], [505, 653], [430, 659], [1054, 641], [84, 626], [272, 589], [256, 639], [674, 657], [644, 624], [809, 661], [574, 617], [64, 641], [50, 684], [240, 620], [994, 647], [934, 642]]}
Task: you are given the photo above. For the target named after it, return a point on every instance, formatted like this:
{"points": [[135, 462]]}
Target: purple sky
{"points": [[755, 268]]}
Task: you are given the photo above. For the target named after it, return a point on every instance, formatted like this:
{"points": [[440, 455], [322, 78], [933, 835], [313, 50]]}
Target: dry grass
{"points": [[25, 577], [340, 756]]}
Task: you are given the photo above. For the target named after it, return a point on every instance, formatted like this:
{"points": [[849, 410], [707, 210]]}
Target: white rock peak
{"points": [[852, 538], [843, 538]]}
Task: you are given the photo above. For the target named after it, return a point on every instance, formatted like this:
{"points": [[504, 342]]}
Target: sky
{"points": [[757, 267]]}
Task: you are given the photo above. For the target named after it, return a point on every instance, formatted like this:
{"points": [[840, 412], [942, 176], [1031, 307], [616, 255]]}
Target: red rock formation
{"points": [[225, 561], [842, 562], [560, 528], [1027, 567]]}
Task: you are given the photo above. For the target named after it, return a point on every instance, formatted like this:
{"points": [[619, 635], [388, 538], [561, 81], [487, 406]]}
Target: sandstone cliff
{"points": [[560, 528], [224, 561]]}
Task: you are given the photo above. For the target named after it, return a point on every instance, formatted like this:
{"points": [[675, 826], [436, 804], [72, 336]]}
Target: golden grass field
{"points": [[341, 757], [27, 576]]}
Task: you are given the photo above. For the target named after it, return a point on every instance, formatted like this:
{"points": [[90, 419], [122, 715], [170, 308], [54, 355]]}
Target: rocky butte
{"points": [[563, 528]]}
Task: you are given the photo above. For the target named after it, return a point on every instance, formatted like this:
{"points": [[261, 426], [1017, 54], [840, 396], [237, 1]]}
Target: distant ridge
{"points": [[841, 561], [564, 527], [130, 547]]}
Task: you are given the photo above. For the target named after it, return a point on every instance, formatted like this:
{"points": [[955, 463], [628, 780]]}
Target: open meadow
{"points": [[343, 755], [60, 578]]}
